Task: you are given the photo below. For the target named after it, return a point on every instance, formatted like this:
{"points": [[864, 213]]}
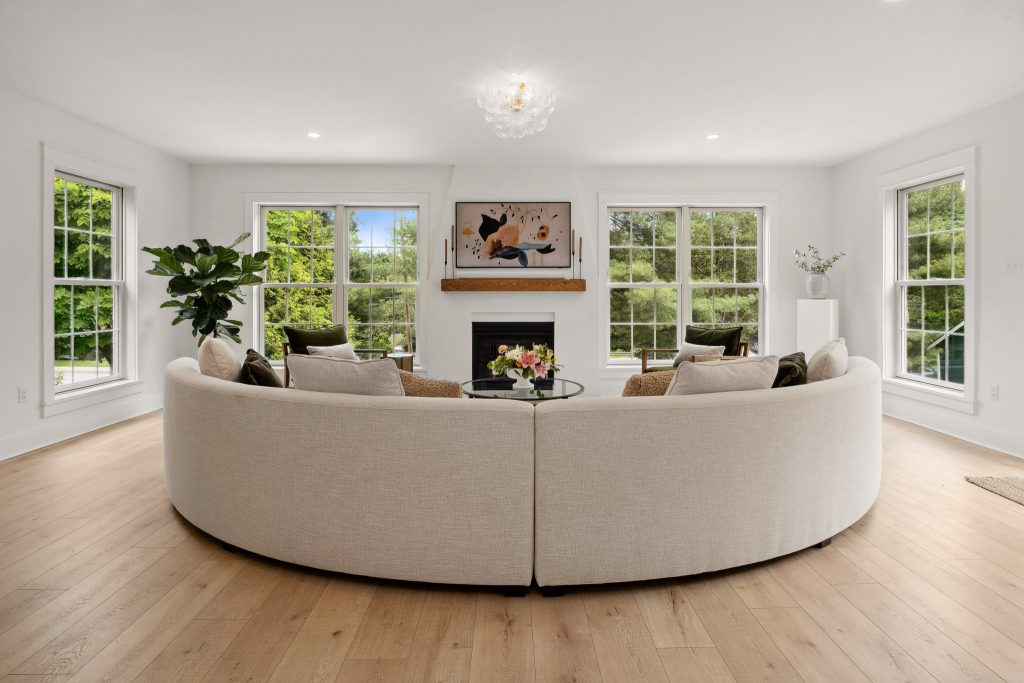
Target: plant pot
{"points": [[521, 382], [817, 286]]}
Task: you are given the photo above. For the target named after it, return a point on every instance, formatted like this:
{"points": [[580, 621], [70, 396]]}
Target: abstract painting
{"points": [[513, 234]]}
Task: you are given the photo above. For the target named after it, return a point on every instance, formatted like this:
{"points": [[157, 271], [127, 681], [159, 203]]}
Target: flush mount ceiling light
{"points": [[713, 136], [312, 134], [517, 107]]}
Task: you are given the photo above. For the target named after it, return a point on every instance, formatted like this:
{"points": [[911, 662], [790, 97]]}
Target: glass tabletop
{"points": [[544, 390]]}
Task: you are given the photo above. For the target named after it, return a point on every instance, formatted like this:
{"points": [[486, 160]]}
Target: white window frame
{"points": [[895, 380], [342, 203], [124, 231], [683, 203]]}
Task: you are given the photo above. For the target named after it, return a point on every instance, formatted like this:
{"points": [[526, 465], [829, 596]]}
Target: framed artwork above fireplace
{"points": [[513, 235]]}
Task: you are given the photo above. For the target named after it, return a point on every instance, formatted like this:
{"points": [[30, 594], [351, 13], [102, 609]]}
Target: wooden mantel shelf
{"points": [[513, 284]]}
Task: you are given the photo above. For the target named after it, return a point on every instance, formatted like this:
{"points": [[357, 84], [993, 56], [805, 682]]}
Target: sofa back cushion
{"points": [[729, 337], [300, 338], [341, 376], [742, 374]]}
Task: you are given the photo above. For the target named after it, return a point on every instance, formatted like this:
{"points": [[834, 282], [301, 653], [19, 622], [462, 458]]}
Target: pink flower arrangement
{"points": [[536, 361]]}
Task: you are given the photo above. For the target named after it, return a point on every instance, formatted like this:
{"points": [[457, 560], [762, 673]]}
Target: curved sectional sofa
{"points": [[491, 492]]}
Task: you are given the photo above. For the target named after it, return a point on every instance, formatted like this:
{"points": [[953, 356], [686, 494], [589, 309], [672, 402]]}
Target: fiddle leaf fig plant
{"points": [[203, 282]]}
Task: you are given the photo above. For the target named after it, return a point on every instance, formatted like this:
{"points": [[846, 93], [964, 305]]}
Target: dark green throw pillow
{"points": [[729, 337], [792, 371], [300, 339], [256, 369]]}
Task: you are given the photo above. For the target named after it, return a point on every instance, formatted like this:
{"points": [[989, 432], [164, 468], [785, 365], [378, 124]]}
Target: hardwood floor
{"points": [[100, 579]]}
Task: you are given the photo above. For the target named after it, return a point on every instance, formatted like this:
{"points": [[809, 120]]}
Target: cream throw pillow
{"points": [[342, 376], [346, 351], [713, 376], [216, 359], [687, 351], [829, 362]]}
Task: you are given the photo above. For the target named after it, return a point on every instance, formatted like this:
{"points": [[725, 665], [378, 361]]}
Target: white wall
{"points": [[163, 218], [998, 136], [801, 216]]}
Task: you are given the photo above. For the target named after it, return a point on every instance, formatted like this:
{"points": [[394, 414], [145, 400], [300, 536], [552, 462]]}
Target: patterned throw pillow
{"points": [[428, 387], [648, 384]]}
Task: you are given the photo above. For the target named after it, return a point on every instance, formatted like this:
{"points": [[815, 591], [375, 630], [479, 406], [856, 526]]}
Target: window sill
{"points": [[938, 396], [89, 396]]}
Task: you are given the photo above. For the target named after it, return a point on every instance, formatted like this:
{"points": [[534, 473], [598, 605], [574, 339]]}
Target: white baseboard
{"points": [[965, 427], [53, 430]]}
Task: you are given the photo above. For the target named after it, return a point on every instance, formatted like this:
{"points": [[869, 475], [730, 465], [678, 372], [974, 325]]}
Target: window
{"points": [[698, 265], [930, 282], [88, 285], [365, 277]]}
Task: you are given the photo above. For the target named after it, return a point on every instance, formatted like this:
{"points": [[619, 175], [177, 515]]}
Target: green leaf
{"points": [[173, 303], [180, 285], [241, 238], [184, 254], [248, 279]]}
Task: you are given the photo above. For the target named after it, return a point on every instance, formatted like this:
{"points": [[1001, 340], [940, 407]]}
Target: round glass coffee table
{"points": [[548, 390]]}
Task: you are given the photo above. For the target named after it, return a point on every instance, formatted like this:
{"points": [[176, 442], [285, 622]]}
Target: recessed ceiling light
{"points": [[312, 134], [713, 136]]}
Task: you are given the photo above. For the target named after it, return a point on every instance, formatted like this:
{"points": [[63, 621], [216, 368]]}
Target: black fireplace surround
{"points": [[487, 337]]}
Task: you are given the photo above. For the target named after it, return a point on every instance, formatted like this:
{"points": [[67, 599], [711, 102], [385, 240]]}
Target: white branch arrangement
{"points": [[811, 261]]}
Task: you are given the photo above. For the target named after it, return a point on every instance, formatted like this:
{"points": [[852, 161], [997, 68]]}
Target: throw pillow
{"points": [[257, 370], [428, 387], [216, 359], [792, 371], [648, 384], [742, 374], [829, 361], [299, 339], [338, 351], [687, 351], [729, 337], [338, 375]]}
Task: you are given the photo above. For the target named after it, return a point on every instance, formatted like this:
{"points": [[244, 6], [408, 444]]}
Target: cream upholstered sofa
{"points": [[590, 490]]}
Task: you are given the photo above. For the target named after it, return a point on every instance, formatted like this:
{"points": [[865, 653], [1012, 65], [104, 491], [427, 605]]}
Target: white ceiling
{"points": [[641, 82]]}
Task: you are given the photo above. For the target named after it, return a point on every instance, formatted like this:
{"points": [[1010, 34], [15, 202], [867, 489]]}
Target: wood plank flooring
{"points": [[101, 580]]}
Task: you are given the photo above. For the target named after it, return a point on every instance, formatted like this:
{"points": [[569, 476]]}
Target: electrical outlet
{"points": [[1014, 265], [993, 392], [22, 394]]}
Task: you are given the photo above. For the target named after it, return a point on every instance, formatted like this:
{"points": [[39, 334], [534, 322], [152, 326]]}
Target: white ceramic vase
{"points": [[817, 285], [521, 382]]}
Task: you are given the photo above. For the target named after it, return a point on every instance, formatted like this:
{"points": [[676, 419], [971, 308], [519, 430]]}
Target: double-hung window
{"points": [[672, 266], [364, 276], [931, 281], [88, 283]]}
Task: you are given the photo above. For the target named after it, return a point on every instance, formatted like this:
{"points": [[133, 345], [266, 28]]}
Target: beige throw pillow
{"points": [[342, 376], [687, 351], [216, 359], [345, 350], [741, 374], [829, 362]]}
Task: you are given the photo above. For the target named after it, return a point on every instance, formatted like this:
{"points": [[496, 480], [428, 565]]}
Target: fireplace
{"points": [[487, 337]]}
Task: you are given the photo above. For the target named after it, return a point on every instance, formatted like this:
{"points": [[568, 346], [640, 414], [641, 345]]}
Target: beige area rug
{"points": [[1007, 487]]}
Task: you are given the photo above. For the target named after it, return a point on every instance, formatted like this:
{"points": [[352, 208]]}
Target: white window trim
{"points": [[56, 160], [342, 202], [961, 162], [683, 201]]}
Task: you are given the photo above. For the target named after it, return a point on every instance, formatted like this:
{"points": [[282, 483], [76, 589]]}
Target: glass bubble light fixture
{"points": [[517, 107]]}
